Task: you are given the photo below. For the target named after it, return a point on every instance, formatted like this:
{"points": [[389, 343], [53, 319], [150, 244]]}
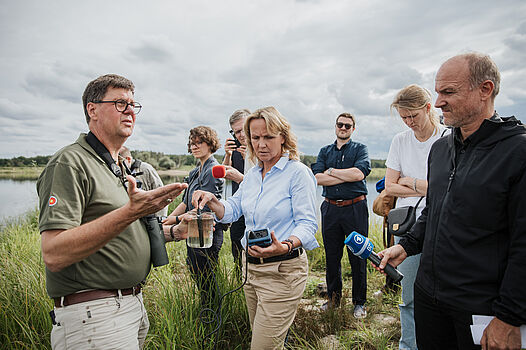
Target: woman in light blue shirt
{"points": [[279, 195]]}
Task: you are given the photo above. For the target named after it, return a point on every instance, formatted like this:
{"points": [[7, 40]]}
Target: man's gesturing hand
{"points": [[143, 203]]}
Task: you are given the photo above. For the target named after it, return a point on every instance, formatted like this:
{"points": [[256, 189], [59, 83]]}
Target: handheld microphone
{"points": [[362, 247], [218, 171]]}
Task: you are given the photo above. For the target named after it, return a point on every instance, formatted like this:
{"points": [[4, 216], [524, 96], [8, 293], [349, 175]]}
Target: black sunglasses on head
{"points": [[347, 126]]}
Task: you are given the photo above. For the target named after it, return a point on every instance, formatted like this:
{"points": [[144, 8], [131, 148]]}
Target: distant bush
{"points": [[166, 163], [377, 163], [24, 162], [169, 161]]}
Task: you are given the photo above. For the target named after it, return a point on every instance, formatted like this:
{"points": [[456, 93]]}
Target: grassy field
{"points": [[173, 305], [20, 173], [376, 174]]}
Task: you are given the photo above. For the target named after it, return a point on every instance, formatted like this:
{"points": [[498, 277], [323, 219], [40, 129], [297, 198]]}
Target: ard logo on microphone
{"points": [[358, 239]]}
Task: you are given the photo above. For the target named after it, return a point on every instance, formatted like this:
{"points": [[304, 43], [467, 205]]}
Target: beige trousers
{"points": [[110, 323], [273, 292]]}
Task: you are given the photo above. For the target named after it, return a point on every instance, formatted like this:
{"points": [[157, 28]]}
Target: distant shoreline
{"points": [[172, 172], [32, 173]]}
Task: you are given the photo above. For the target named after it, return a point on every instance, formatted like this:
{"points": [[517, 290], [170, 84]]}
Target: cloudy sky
{"points": [[195, 62]]}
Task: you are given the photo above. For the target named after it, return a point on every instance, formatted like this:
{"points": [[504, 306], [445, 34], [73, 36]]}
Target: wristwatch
{"points": [[329, 171], [291, 247]]}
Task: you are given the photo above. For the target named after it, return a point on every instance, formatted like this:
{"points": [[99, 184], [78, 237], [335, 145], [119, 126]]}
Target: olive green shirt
{"points": [[77, 187]]}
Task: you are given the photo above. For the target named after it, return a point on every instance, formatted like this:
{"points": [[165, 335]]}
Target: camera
{"points": [[238, 144], [259, 237]]}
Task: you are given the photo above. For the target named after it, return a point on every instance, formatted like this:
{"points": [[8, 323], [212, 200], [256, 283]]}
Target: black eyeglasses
{"points": [[347, 126], [122, 105], [195, 144], [234, 133]]}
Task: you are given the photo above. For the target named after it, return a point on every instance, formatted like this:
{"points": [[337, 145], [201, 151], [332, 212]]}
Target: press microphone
{"points": [[362, 247], [218, 171]]}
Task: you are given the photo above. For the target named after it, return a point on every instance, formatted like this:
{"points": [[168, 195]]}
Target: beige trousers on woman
{"points": [[273, 292]]}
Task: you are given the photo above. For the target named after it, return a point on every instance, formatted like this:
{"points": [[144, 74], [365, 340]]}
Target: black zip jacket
{"points": [[472, 232]]}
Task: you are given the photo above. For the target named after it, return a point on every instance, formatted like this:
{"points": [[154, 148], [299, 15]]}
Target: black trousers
{"points": [[202, 263], [237, 230], [337, 223], [441, 326]]}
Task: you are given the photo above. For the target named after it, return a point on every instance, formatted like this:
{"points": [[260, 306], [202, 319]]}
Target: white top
{"points": [[409, 156]]}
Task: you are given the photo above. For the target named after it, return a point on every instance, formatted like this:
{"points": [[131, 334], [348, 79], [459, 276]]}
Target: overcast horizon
{"points": [[194, 63]]}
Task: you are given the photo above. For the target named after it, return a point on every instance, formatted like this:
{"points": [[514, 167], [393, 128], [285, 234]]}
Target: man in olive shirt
{"points": [[95, 249]]}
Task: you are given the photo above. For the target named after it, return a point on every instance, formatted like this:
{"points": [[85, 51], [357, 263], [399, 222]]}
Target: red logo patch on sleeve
{"points": [[52, 201]]}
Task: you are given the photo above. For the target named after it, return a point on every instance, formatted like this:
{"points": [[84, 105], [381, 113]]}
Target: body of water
{"points": [[18, 197]]}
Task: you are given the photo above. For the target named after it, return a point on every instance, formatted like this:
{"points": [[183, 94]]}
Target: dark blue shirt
{"points": [[238, 163], [351, 155]]}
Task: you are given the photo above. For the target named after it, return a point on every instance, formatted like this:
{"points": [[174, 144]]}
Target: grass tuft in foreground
{"points": [[173, 302]]}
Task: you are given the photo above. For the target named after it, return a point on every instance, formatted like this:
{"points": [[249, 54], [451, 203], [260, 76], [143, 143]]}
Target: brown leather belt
{"points": [[294, 254], [90, 295], [346, 202]]}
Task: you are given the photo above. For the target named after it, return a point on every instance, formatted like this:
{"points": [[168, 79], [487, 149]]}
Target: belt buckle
{"points": [[339, 202], [261, 260]]}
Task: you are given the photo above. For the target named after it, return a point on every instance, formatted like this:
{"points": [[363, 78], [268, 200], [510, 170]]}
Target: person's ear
{"points": [[90, 107], [486, 90]]}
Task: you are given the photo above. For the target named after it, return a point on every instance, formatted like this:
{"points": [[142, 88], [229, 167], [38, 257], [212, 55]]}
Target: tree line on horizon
{"points": [[158, 160]]}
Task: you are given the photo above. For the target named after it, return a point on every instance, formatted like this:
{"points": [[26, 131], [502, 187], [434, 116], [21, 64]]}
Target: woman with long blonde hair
{"points": [[405, 178]]}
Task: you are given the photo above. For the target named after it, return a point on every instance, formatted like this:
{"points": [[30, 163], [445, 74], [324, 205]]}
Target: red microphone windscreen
{"points": [[218, 171]]}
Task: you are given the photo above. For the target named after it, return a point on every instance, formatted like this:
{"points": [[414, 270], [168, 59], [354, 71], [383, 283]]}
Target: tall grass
{"points": [[173, 302], [20, 173]]}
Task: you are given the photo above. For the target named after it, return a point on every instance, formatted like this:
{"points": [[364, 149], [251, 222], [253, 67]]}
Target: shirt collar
{"points": [[280, 164], [209, 160], [81, 140], [479, 133], [335, 144]]}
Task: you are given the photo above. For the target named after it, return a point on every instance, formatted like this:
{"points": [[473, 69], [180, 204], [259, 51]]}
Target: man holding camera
{"points": [[235, 150], [96, 251], [341, 168]]}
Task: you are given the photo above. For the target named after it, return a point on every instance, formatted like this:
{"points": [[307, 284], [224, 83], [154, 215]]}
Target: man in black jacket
{"points": [[472, 233]]}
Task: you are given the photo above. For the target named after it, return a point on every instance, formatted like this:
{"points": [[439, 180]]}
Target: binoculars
{"points": [[154, 226]]}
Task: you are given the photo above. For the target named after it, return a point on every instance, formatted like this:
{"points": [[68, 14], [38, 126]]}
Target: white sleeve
{"points": [[393, 158]]}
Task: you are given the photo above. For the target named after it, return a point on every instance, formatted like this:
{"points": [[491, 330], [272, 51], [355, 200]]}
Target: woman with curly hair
{"points": [[202, 143]]}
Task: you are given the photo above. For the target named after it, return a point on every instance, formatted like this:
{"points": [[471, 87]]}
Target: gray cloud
{"points": [[196, 62], [152, 49]]}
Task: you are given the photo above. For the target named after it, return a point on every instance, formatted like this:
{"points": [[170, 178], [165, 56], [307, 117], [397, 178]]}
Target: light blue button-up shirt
{"points": [[284, 202]]}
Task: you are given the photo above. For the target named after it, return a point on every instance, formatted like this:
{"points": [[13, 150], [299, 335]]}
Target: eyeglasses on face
{"points": [[195, 143], [122, 105], [235, 133], [341, 125]]}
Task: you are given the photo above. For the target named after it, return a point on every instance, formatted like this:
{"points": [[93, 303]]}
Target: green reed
{"points": [[172, 300]]}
